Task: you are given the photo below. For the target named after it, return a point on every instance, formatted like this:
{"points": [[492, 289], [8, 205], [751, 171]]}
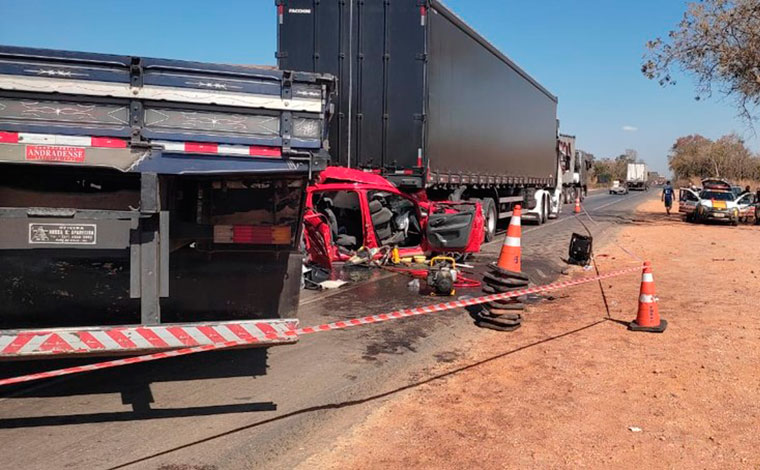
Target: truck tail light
{"points": [[9, 137], [109, 142], [252, 234], [280, 13], [423, 15]]}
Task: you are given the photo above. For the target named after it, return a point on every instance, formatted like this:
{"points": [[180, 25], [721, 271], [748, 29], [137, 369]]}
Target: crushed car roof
{"points": [[336, 174]]}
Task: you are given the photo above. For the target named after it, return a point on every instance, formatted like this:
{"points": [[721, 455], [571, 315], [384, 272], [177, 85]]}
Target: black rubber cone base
{"points": [[506, 272], [633, 326], [497, 290], [492, 326], [497, 281], [499, 317], [505, 309]]}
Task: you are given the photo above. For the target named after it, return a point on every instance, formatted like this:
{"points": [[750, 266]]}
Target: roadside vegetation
{"points": [[717, 43], [694, 157]]}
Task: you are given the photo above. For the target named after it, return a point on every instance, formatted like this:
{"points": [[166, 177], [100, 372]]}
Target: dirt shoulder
{"points": [[570, 389]]}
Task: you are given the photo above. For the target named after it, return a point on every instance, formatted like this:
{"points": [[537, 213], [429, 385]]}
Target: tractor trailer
{"points": [[147, 204], [427, 102]]}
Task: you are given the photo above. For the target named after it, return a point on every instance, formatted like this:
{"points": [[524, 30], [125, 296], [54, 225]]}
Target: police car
{"points": [[716, 201]]}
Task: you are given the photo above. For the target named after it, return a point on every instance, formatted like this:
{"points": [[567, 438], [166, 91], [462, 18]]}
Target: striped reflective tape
{"points": [[64, 140], [462, 303], [221, 149], [324, 327], [136, 339], [647, 277], [647, 298], [115, 142]]}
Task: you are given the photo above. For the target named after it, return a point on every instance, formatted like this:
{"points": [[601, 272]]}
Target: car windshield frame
{"points": [[717, 195]]}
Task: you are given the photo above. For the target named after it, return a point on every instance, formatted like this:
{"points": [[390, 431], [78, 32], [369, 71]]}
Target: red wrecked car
{"points": [[348, 209]]}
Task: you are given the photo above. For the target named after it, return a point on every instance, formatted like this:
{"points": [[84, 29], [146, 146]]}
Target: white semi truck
{"points": [[637, 177]]}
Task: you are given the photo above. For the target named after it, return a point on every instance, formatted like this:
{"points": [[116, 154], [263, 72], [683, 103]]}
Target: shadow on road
{"points": [[360, 401], [134, 383], [121, 416]]}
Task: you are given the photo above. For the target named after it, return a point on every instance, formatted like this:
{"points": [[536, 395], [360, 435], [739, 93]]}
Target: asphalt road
{"points": [[265, 409]]}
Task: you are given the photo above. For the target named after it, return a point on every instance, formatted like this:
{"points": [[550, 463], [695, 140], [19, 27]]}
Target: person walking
{"points": [[667, 196]]}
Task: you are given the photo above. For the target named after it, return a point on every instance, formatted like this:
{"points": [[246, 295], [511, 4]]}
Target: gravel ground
{"points": [[574, 388]]}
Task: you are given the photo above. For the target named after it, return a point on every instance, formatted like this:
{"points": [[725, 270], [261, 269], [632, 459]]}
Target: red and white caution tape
{"points": [[410, 312]]}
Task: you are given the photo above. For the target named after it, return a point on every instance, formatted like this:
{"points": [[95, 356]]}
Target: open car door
{"points": [[687, 202], [454, 226], [746, 205], [318, 238]]}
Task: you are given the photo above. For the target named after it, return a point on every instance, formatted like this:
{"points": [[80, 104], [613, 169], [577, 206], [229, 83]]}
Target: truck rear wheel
{"points": [[489, 210]]}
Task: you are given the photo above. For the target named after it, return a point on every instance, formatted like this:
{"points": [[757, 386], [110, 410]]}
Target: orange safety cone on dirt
{"points": [[510, 256], [648, 318], [577, 205]]}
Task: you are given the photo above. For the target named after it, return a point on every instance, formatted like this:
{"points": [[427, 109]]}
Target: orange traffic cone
{"points": [[510, 255], [648, 318], [577, 205], [503, 276]]}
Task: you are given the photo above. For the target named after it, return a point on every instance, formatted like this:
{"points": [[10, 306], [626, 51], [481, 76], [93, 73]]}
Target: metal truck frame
{"points": [[429, 103], [171, 191]]}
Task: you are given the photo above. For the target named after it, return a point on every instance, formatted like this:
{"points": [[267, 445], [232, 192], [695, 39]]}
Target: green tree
{"points": [[717, 43]]}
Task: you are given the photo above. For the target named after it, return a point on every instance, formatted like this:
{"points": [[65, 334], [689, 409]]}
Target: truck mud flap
{"points": [[140, 339]]}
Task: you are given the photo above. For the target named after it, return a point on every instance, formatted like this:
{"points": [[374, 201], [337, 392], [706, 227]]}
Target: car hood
{"points": [[709, 203]]}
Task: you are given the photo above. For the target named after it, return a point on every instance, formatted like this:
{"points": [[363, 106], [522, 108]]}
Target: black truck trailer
{"points": [[428, 102], [149, 204]]}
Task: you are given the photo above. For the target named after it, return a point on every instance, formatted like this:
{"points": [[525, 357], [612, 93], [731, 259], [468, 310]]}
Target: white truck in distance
{"points": [[636, 177]]}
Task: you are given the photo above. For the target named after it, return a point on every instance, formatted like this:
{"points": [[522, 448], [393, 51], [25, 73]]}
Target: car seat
{"points": [[381, 219], [340, 239]]}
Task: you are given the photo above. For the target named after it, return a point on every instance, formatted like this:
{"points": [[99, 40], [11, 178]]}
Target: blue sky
{"points": [[587, 52]]}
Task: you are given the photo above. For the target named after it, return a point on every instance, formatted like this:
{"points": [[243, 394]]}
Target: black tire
{"points": [[489, 209]]}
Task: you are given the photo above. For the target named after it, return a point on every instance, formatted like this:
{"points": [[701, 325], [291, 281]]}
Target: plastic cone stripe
{"points": [[511, 241]]}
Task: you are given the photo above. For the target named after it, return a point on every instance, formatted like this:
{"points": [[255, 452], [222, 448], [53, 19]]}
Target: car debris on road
{"points": [[353, 216]]}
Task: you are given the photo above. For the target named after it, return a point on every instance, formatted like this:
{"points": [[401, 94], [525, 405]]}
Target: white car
{"points": [[618, 188]]}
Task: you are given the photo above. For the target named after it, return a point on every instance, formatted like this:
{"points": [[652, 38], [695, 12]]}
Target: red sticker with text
{"points": [[51, 153]]}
